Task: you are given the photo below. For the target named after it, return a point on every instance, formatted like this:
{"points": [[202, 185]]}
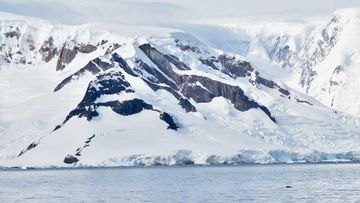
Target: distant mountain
{"points": [[323, 60], [84, 96], [329, 70]]}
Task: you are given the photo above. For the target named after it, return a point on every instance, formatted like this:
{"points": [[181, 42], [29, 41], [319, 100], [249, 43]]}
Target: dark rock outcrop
{"points": [[89, 112], [233, 93], [94, 66], [169, 120], [174, 60], [112, 48], [89, 139], [270, 84], [86, 144], [185, 104], [122, 63], [48, 50], [86, 48], [31, 146], [70, 159], [16, 33], [235, 68], [213, 88], [69, 52], [157, 77], [197, 93], [128, 107], [187, 47], [161, 61], [303, 101], [105, 84], [210, 62], [124, 108]]}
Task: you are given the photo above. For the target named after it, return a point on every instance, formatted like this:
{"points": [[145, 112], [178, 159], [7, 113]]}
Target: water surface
{"points": [[254, 183]]}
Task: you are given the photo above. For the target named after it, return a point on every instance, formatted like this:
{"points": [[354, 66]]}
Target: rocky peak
{"points": [[69, 51]]}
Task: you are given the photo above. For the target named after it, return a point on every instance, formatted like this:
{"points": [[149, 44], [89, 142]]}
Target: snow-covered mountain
{"points": [[114, 95], [319, 58], [330, 69]]}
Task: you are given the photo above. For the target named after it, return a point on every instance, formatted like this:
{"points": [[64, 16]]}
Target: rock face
{"points": [[185, 104], [16, 33], [270, 84], [183, 87], [187, 46], [169, 120], [111, 83], [31, 146], [213, 88], [104, 84], [94, 66], [69, 52], [86, 48], [128, 107], [70, 159], [111, 48], [235, 68], [186, 88], [48, 50]]}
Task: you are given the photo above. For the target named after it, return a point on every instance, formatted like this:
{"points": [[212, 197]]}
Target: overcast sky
{"points": [[152, 12]]}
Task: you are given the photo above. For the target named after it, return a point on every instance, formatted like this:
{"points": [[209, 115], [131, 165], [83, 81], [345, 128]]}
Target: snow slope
{"points": [[106, 95], [336, 70], [318, 57]]}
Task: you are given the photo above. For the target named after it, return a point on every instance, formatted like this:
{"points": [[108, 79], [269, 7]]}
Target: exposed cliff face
{"points": [[40, 42], [208, 88], [183, 87], [94, 67], [48, 50], [104, 84], [69, 52], [112, 82], [235, 68]]}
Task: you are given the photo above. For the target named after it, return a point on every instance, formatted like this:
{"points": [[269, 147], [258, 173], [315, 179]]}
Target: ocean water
{"points": [[251, 183]]}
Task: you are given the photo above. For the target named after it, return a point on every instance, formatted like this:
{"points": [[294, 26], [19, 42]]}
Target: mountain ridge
{"points": [[73, 96]]}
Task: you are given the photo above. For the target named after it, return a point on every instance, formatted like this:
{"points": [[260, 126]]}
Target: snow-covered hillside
{"points": [[319, 57], [331, 71], [113, 95]]}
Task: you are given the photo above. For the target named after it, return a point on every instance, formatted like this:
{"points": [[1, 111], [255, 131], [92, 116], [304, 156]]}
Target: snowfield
{"points": [[119, 95]]}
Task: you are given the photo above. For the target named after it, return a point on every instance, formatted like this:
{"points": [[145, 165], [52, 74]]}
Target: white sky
{"points": [[155, 12]]}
